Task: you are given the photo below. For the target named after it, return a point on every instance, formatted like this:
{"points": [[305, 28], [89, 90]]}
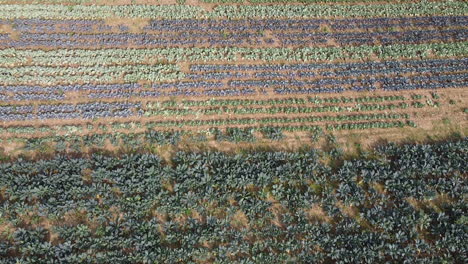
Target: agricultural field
{"points": [[89, 75], [233, 131]]}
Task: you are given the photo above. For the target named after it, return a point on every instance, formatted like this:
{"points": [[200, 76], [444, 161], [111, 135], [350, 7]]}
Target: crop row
{"points": [[262, 11], [143, 40], [425, 82], [68, 88], [388, 84], [275, 101], [142, 139], [259, 125], [71, 129], [276, 120], [211, 102], [334, 69], [100, 2], [170, 71], [230, 91], [69, 111], [275, 110], [238, 92], [239, 25], [120, 109], [367, 82], [84, 57], [45, 75], [204, 103], [352, 126], [96, 74], [159, 108], [138, 140], [179, 92]]}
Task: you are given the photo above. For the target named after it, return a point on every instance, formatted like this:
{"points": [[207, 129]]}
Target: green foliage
{"points": [[265, 206], [233, 134], [163, 138], [273, 133]]}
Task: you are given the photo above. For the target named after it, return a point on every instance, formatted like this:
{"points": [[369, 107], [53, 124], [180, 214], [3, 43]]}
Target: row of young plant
{"points": [[126, 127], [90, 57], [277, 109], [91, 110], [227, 71], [94, 110], [204, 103], [273, 71], [170, 26], [69, 129], [178, 92], [275, 101], [294, 86], [232, 39], [351, 126], [48, 26], [180, 2], [295, 71], [122, 40], [302, 1], [56, 78], [276, 120], [440, 81], [231, 12], [369, 38], [353, 81], [393, 204], [47, 76]]}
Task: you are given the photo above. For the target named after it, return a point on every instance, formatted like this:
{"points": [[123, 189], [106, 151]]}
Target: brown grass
{"points": [[8, 29], [348, 210], [278, 210], [316, 214], [353, 212], [240, 220], [380, 188], [436, 204], [6, 230], [87, 176], [135, 25], [169, 186]]}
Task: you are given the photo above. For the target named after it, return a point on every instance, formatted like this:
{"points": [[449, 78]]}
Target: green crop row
{"points": [[275, 110], [94, 74], [315, 1], [275, 101], [231, 102], [90, 57], [126, 125], [44, 129], [358, 52], [68, 128], [366, 99], [62, 57], [71, 129], [102, 2], [352, 126], [272, 120], [422, 8]]}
